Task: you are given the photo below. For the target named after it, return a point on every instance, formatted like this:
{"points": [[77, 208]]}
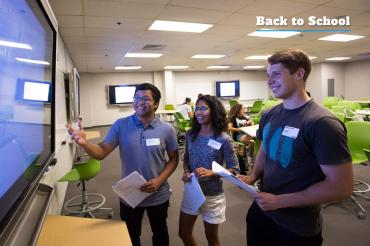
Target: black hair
{"points": [[187, 100], [218, 116], [155, 92]]}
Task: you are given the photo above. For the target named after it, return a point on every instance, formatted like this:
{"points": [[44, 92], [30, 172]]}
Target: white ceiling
{"points": [[97, 44]]}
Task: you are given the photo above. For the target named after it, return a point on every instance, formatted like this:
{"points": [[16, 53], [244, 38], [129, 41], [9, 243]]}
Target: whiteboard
{"points": [[253, 90]]}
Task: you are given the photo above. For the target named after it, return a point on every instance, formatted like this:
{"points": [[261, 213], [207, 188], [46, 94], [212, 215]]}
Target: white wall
{"points": [[357, 80], [95, 110]]}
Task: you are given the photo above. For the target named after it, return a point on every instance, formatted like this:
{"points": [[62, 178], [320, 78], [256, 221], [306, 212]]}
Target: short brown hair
{"points": [[292, 59]]}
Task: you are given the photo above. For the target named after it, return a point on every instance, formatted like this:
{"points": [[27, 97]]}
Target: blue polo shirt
{"points": [[144, 149]]}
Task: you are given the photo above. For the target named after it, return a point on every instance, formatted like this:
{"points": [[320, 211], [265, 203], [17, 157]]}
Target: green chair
{"points": [[270, 104], [339, 115], [358, 133], [233, 102], [256, 107], [337, 108], [169, 107], [350, 105], [329, 102], [85, 204]]}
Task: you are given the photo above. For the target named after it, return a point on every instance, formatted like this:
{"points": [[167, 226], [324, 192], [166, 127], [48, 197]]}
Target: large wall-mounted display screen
{"points": [[121, 94], [227, 88], [27, 74]]}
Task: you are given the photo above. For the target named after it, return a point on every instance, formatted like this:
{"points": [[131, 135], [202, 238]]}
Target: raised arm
{"points": [[97, 151]]}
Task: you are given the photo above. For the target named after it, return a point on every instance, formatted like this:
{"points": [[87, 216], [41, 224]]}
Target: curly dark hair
{"points": [[218, 116], [234, 111]]}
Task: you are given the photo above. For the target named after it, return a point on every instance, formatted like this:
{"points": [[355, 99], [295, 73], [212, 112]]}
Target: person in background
{"points": [[303, 161], [236, 120], [185, 109], [206, 142], [149, 146]]}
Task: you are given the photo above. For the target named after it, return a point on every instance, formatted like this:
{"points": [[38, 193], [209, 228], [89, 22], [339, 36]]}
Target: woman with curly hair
{"points": [[206, 142], [236, 120]]}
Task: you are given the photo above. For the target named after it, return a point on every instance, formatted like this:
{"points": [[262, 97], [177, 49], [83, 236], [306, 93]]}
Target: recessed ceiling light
{"points": [[15, 45], [143, 55], [270, 33], [253, 67], [312, 57], [176, 26], [127, 67], [176, 67], [33, 61], [204, 56], [341, 37], [259, 57], [217, 67], [337, 58]]}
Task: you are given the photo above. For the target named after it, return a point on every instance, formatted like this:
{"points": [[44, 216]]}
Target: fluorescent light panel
{"points": [[341, 37], [312, 57], [207, 56], [176, 67], [127, 67], [217, 67], [143, 55], [253, 67], [176, 26], [337, 58], [32, 61], [270, 33], [15, 45], [257, 57]]}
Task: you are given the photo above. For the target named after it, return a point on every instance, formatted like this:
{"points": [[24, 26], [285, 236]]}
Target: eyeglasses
{"points": [[201, 108], [144, 99]]}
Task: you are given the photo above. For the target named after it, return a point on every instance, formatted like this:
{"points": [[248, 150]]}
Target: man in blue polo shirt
{"points": [[149, 146]]}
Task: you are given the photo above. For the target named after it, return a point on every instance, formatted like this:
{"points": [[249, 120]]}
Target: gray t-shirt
{"points": [[144, 150], [296, 142], [205, 149]]}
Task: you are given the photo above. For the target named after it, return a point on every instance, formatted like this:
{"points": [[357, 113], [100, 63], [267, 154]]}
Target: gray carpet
{"points": [[341, 226]]}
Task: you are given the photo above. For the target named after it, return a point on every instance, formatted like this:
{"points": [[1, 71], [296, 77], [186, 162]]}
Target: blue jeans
{"points": [[158, 222]]}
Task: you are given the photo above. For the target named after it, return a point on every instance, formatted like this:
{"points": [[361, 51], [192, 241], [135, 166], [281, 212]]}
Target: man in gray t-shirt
{"points": [[303, 161], [149, 146]]}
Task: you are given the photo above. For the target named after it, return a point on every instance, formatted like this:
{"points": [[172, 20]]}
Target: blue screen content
{"points": [[26, 52]]}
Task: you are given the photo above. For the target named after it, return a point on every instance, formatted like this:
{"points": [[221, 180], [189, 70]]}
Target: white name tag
{"points": [[214, 144], [290, 132], [152, 141]]}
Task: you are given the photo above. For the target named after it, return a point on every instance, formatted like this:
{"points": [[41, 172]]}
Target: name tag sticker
{"points": [[152, 141], [290, 132], [214, 144]]}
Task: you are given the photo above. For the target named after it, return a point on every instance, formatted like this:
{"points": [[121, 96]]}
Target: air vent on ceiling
{"points": [[154, 47]]}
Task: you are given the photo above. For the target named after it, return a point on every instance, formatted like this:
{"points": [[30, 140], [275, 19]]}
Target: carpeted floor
{"points": [[341, 226]]}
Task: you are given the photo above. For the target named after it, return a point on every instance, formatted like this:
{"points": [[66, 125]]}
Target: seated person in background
{"points": [[237, 119], [207, 141], [185, 109]]}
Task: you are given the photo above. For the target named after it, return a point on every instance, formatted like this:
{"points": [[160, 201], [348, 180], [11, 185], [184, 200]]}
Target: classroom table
{"points": [[69, 230]]}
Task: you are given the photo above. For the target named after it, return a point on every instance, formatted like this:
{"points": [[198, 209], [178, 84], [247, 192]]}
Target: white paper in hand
{"points": [[128, 189], [217, 168], [193, 197]]}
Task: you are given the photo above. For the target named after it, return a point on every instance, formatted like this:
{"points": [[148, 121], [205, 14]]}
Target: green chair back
{"points": [[339, 115], [169, 107], [182, 125], [270, 104], [329, 102], [256, 107], [358, 133], [337, 108], [350, 105], [179, 115], [233, 102], [82, 171]]}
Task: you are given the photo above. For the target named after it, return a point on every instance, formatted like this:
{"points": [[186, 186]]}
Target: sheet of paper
{"points": [[128, 189], [217, 168], [193, 197]]}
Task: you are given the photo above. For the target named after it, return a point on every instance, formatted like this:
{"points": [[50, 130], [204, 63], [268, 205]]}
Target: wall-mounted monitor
{"points": [[34, 91], [26, 132], [227, 88], [121, 94]]}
